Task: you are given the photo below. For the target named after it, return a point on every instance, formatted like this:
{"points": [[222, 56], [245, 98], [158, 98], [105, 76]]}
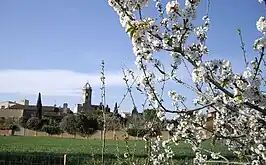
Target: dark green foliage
{"points": [[140, 132], [23, 121], [85, 126], [47, 121], [134, 111], [113, 123], [34, 123], [9, 124], [39, 107], [149, 114], [12, 127], [116, 110], [98, 115], [68, 124], [2, 120], [79, 124], [136, 132], [107, 109], [51, 130]]}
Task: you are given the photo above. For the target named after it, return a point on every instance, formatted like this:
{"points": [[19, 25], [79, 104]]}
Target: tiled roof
{"points": [[10, 102], [16, 106]]}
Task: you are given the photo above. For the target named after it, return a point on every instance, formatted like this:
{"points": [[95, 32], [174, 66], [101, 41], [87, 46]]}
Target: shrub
{"points": [[23, 121], [137, 132], [9, 124], [85, 126], [51, 130], [34, 123], [14, 127], [79, 124], [140, 132], [68, 124]]}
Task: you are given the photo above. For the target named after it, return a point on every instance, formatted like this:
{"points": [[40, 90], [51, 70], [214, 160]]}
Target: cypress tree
{"points": [[39, 107], [115, 110], [134, 111]]}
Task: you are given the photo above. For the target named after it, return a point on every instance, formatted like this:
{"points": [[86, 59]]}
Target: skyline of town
{"points": [[56, 52]]}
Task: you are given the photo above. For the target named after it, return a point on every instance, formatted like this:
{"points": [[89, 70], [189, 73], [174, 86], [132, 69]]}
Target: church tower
{"points": [[86, 96]]}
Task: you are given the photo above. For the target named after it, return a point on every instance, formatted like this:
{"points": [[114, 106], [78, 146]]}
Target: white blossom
{"points": [[172, 7], [237, 98], [261, 24]]}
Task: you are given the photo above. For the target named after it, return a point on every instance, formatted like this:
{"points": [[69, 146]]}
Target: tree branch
{"points": [[189, 111], [260, 60], [124, 96]]}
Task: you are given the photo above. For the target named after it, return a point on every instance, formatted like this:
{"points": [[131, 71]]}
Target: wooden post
{"points": [[65, 159]]}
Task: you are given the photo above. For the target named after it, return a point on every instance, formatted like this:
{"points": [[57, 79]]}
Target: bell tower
{"points": [[86, 96]]}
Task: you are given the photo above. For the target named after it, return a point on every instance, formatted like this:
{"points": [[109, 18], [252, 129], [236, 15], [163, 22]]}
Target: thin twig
{"points": [[208, 7], [186, 67], [164, 80], [125, 95], [184, 105], [128, 87], [178, 80], [243, 47]]}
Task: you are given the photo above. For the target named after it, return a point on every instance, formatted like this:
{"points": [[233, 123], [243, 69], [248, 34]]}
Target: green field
{"points": [[43, 149]]}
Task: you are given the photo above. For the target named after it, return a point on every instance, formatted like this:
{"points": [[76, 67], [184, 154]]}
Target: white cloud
{"points": [[53, 82]]}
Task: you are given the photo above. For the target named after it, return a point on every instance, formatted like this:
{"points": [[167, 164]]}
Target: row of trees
{"points": [[87, 124], [9, 124], [72, 124]]}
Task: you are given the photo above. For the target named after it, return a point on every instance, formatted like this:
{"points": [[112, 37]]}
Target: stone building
{"points": [[211, 114], [23, 108], [87, 105]]}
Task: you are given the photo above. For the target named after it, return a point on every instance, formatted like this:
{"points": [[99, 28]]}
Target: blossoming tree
{"points": [[237, 98]]}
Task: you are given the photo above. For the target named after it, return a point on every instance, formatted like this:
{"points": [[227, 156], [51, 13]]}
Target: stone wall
{"points": [[6, 132], [6, 104], [11, 113], [110, 135]]}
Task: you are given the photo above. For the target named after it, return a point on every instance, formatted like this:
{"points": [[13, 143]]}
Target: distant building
{"points": [[23, 108], [86, 105], [211, 114], [125, 115]]}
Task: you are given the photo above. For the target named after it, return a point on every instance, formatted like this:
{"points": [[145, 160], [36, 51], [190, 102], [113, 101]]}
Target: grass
{"points": [[78, 151]]}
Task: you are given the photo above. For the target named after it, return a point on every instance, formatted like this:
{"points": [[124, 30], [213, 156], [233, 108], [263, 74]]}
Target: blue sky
{"points": [[54, 47]]}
